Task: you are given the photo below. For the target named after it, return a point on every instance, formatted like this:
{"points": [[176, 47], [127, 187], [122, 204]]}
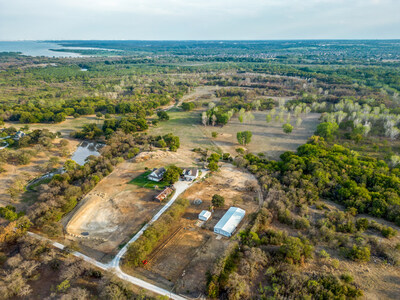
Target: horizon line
{"points": [[206, 40]]}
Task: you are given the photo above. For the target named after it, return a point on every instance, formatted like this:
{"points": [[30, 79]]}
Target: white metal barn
{"points": [[204, 215], [228, 223]]}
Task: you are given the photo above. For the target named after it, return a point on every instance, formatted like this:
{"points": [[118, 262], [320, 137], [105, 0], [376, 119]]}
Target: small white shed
{"points": [[204, 215], [228, 223]]}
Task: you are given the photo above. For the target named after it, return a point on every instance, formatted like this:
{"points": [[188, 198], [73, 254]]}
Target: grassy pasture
{"points": [[186, 126], [268, 138]]}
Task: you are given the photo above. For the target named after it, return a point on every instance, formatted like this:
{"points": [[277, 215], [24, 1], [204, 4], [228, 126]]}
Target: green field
{"points": [[142, 181]]}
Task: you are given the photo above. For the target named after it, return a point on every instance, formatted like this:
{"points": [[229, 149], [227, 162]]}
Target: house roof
{"points": [[230, 220], [190, 171], [158, 172]]}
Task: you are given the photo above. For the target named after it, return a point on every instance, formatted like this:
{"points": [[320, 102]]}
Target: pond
{"points": [[84, 150]]}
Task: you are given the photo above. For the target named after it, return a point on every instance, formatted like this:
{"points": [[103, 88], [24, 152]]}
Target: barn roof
{"points": [[230, 220]]}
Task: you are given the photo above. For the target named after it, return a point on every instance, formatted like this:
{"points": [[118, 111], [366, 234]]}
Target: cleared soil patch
{"points": [[181, 260], [268, 138], [237, 187], [115, 209]]}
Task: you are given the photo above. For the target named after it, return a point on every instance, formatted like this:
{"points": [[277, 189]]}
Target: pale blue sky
{"points": [[199, 19]]}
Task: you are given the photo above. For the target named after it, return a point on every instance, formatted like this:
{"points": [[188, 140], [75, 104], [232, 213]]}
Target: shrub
{"points": [[162, 115], [273, 237], [295, 250], [213, 166], [240, 150], [388, 232], [218, 200], [323, 254], [362, 224], [287, 128], [346, 277], [327, 130], [359, 253]]}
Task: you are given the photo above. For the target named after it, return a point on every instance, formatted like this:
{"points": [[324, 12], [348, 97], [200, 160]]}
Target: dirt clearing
{"points": [[115, 209], [181, 260]]}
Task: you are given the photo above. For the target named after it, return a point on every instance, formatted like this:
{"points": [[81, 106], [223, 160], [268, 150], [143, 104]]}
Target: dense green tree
{"points": [[187, 106], [327, 130], [287, 128], [218, 200], [244, 137], [172, 174], [162, 115]]}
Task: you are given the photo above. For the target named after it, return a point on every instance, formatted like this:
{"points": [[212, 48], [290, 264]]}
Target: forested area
{"points": [[271, 262]]}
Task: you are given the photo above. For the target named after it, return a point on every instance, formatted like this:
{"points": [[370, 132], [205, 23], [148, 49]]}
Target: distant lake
{"points": [[84, 150], [36, 48]]}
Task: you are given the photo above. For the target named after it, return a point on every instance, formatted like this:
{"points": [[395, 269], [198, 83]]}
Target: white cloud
{"points": [[198, 19]]}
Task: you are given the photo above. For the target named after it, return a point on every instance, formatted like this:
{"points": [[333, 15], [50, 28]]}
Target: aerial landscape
{"points": [[165, 163]]}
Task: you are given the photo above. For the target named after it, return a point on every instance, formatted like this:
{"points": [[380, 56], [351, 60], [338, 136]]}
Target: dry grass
{"points": [[268, 138]]}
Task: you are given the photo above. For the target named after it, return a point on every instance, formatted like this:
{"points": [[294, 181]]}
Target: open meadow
{"points": [[66, 127], [268, 138]]}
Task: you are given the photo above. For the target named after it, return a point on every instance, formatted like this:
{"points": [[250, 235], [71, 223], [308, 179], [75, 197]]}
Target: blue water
{"points": [[84, 150], [35, 48]]}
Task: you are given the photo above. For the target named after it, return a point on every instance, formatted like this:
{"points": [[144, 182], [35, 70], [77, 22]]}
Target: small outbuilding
{"points": [[19, 135], [204, 215], [164, 194], [228, 223]]}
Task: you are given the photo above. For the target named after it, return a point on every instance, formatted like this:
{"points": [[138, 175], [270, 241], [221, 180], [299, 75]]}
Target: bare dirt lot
{"points": [[268, 138], [180, 263], [115, 209]]}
